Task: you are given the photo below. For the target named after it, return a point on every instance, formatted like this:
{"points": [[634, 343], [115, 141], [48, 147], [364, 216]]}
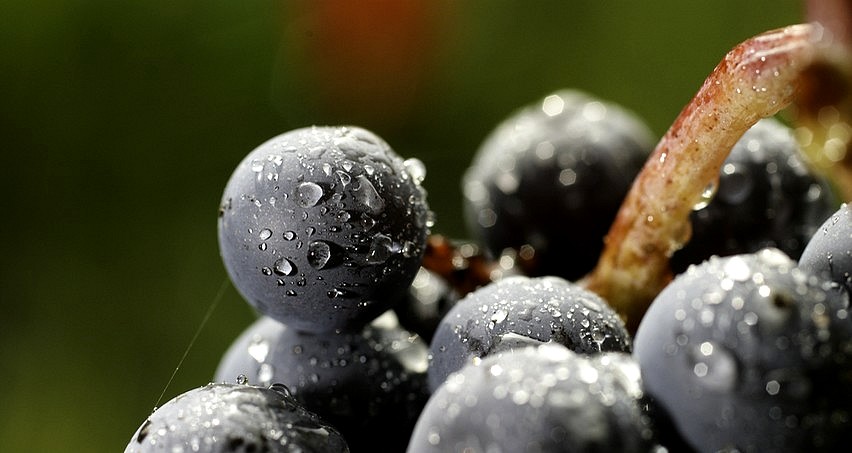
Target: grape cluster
{"points": [[321, 230], [374, 335]]}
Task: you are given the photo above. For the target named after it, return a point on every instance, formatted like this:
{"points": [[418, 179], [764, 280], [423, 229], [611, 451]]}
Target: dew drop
{"points": [[257, 165], [344, 177], [283, 266], [289, 235], [498, 317], [367, 222], [319, 254], [281, 389], [242, 379], [705, 198], [335, 293], [266, 271], [381, 249], [368, 196], [265, 234], [308, 194]]}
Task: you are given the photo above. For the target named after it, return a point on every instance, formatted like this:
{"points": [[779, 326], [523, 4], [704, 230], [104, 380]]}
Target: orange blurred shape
{"points": [[370, 58]]}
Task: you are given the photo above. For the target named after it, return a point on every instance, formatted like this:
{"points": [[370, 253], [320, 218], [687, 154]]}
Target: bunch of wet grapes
{"points": [[613, 295]]}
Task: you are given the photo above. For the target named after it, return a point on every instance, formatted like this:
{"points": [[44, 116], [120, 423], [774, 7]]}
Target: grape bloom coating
{"points": [[323, 228]]}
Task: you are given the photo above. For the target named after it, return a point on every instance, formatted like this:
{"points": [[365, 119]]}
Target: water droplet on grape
{"points": [[308, 194], [498, 317], [242, 379], [368, 196], [380, 249], [289, 235], [283, 266], [319, 254], [281, 389], [344, 177], [265, 234]]}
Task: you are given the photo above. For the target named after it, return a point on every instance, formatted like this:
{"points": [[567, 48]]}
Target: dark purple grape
{"points": [[371, 385], [519, 311], [829, 252], [323, 228], [429, 298], [220, 418], [765, 197], [538, 399], [750, 353], [553, 176]]}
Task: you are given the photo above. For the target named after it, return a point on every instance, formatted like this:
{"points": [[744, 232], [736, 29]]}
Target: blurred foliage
{"points": [[121, 122]]}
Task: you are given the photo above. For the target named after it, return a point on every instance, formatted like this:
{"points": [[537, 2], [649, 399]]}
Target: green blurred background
{"points": [[121, 122]]}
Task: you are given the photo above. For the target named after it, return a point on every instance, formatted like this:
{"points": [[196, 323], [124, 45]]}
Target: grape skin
{"points": [[545, 398], [220, 418], [371, 384], [750, 352], [323, 228], [829, 252], [518, 311], [552, 176]]}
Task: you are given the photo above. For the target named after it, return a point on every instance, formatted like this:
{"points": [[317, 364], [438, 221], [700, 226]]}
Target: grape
{"points": [[323, 228], [751, 353], [371, 385], [428, 300], [518, 311], [829, 252], [543, 399], [766, 197], [235, 418], [552, 176]]}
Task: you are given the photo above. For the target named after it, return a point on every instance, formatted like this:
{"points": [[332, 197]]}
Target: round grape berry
{"points": [[371, 385], [220, 418], [750, 353], [323, 228], [829, 252], [552, 176], [428, 300], [519, 311], [538, 399]]}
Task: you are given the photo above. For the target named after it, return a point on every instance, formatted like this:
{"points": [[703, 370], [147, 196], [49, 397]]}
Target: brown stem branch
{"points": [[756, 79]]}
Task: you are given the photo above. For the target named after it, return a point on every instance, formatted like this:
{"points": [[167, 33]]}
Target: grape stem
{"points": [[756, 79]]}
